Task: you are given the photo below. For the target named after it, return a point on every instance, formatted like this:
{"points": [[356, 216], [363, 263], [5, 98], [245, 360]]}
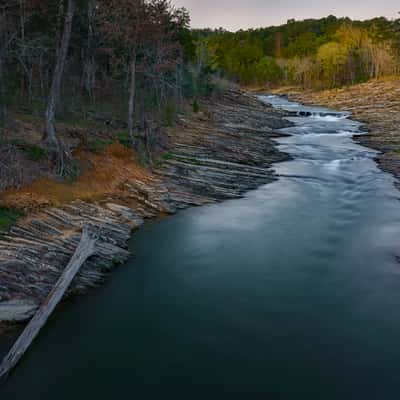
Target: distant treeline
{"points": [[323, 53]]}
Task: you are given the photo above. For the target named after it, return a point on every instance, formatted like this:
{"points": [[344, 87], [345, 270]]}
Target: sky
{"points": [[242, 14]]}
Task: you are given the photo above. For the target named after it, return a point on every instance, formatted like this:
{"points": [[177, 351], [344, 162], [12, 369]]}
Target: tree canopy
{"points": [[325, 52]]}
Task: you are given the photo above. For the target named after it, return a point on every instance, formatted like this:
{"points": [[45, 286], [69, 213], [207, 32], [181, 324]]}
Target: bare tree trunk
{"points": [[28, 73], [50, 136], [3, 109], [89, 62], [132, 97], [143, 109], [22, 29], [179, 95]]}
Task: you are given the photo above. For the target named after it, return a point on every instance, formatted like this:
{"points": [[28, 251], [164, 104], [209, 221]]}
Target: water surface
{"points": [[292, 292]]}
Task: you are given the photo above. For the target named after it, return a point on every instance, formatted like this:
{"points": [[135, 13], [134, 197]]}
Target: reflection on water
{"points": [[290, 293]]}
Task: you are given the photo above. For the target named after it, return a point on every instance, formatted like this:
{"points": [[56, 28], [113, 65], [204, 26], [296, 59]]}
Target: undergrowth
{"points": [[98, 145], [124, 139], [8, 217], [33, 151]]}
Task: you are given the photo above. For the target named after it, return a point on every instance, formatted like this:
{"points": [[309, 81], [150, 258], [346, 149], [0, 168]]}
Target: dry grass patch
{"points": [[103, 175]]}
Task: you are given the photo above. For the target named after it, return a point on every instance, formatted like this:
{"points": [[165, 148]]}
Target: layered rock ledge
{"points": [[217, 154]]}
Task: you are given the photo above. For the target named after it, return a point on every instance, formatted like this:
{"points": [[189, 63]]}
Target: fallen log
{"points": [[85, 249]]}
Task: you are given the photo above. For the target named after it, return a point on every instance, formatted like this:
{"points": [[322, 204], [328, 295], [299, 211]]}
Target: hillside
{"points": [[318, 53]]}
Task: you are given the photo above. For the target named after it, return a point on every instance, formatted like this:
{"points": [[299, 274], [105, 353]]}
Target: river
{"points": [[292, 292]]}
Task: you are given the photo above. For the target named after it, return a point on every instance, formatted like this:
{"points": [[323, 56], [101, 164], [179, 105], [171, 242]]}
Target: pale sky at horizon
{"points": [[237, 14]]}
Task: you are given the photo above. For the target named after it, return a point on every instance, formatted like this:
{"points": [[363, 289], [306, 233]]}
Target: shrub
{"points": [[33, 151], [167, 156], [72, 170], [8, 217], [124, 139], [196, 106], [98, 145], [169, 114]]}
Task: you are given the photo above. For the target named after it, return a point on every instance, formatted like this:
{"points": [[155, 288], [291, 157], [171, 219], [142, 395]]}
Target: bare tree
{"points": [[50, 136], [3, 109], [129, 24], [7, 36], [89, 62], [146, 30]]}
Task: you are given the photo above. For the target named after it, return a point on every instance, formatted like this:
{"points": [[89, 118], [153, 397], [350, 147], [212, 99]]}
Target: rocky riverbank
{"points": [[217, 154], [377, 104]]}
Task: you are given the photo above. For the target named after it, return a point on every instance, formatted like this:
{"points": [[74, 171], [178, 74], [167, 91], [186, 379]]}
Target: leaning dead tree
{"points": [[85, 249]]}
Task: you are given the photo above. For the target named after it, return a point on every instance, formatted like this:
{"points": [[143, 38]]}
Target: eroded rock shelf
{"points": [[221, 153]]}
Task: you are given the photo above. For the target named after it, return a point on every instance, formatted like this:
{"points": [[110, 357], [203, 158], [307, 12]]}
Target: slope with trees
{"points": [[324, 53], [127, 66]]}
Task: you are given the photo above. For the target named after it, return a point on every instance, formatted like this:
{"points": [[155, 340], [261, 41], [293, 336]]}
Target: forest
{"points": [[325, 53], [127, 64]]}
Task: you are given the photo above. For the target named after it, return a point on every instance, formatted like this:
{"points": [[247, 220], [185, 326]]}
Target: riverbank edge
{"points": [[37, 248], [375, 104]]}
